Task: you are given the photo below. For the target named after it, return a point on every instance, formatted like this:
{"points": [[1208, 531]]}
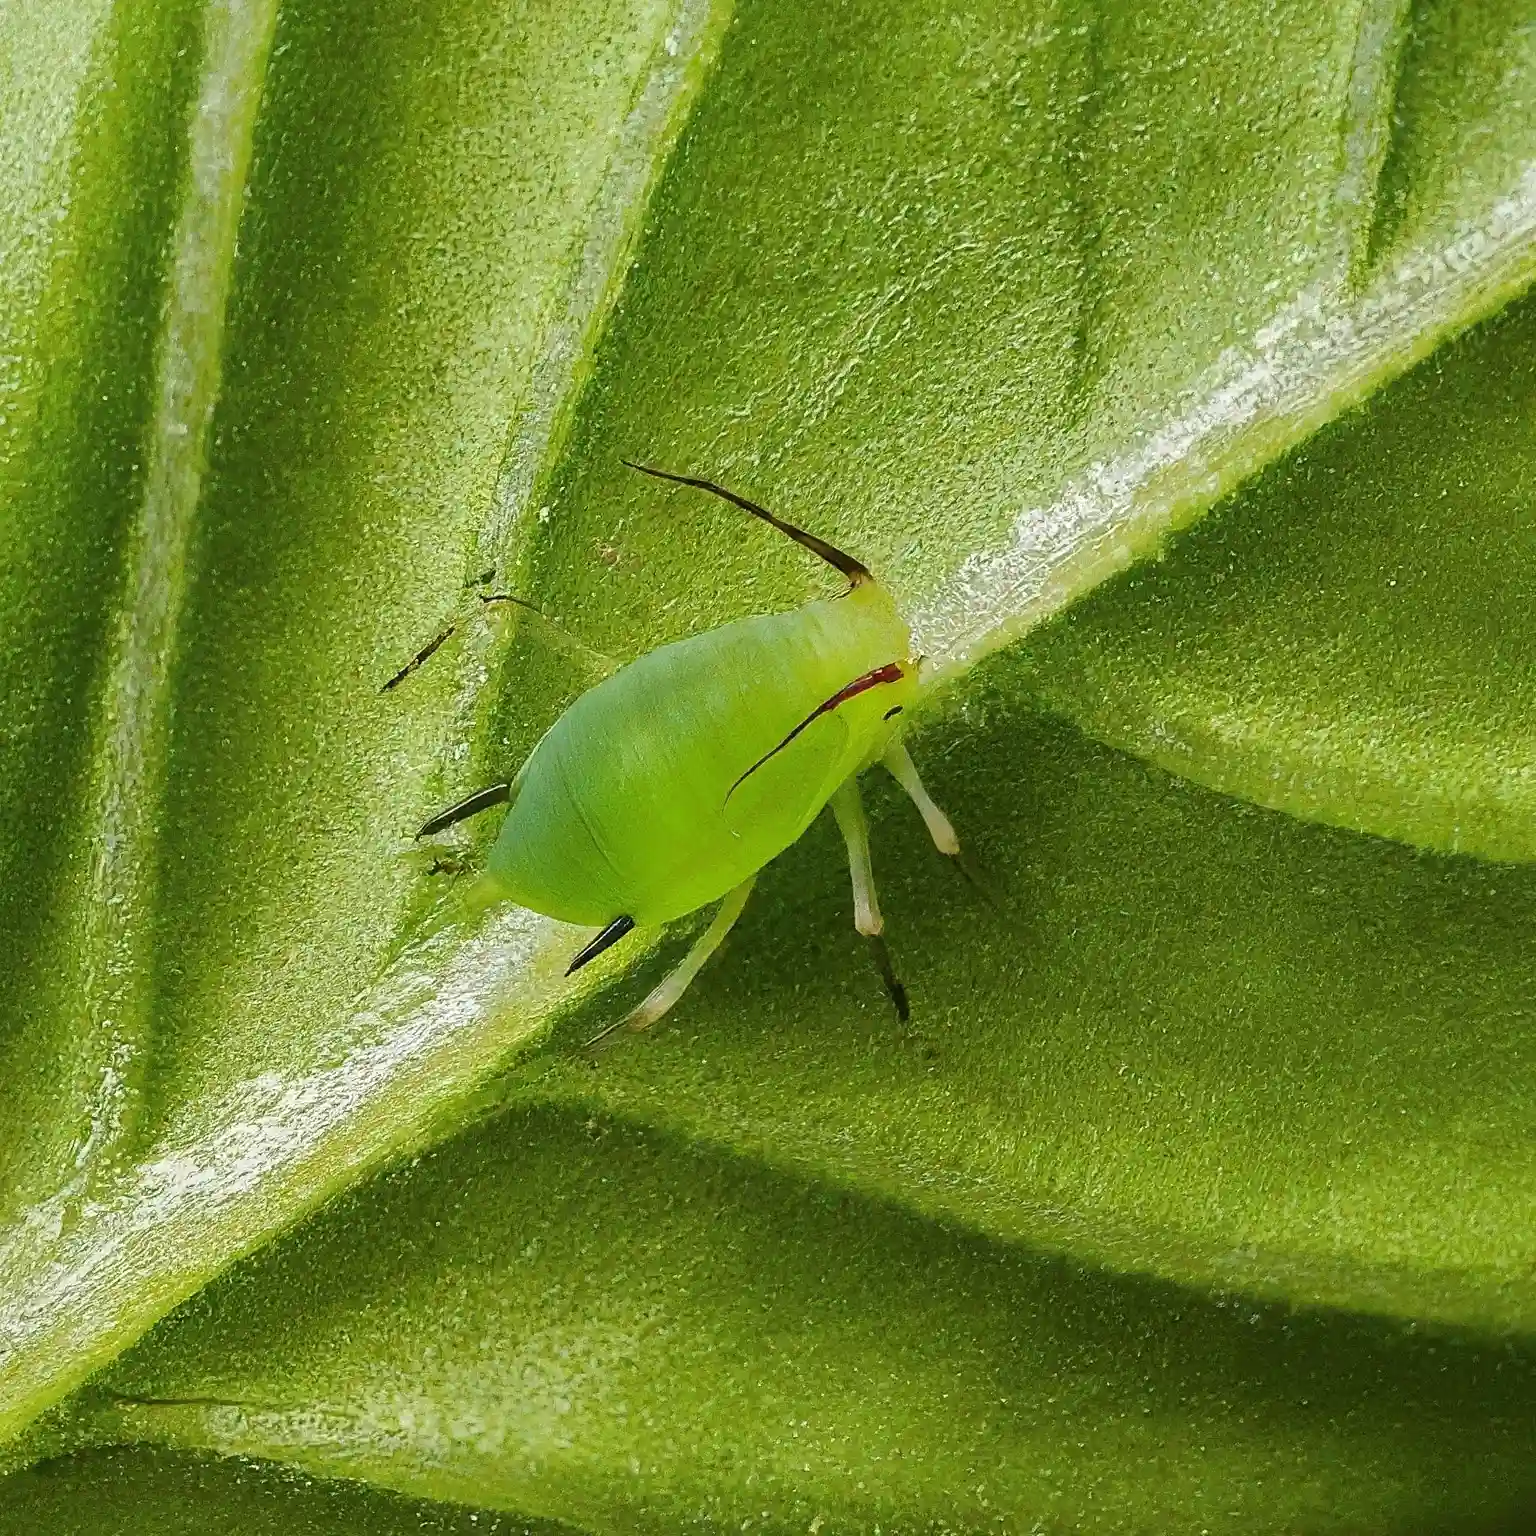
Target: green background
{"points": [[1198, 1194]]}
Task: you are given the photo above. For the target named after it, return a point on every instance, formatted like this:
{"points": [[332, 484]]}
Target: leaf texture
{"points": [[318, 321]]}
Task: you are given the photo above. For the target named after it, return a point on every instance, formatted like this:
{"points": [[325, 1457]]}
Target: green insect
{"points": [[672, 783]]}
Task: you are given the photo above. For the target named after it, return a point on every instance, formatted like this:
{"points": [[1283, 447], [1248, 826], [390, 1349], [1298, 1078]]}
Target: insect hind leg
{"points": [[849, 810], [678, 980], [593, 661]]}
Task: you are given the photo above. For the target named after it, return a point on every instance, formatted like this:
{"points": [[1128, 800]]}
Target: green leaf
{"points": [[1193, 1038], [124, 1492], [224, 1004], [1226, 1049], [574, 1317], [1350, 640], [998, 302]]}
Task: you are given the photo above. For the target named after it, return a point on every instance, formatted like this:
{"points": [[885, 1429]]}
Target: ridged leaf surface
{"points": [[1199, 1187]]}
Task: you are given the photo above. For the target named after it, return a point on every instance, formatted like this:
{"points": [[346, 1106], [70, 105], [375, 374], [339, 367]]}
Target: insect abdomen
{"points": [[639, 800]]}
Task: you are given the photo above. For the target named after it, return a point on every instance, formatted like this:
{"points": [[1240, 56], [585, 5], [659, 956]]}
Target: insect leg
{"points": [[849, 810], [940, 829], [434, 645], [677, 981], [592, 660], [904, 771]]}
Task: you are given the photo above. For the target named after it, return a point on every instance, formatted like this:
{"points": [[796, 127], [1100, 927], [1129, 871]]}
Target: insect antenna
{"points": [[856, 572]]}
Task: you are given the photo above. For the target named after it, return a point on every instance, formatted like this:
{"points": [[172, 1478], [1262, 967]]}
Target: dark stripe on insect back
{"points": [[891, 672]]}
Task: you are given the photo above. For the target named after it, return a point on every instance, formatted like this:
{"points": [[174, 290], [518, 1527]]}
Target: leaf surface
{"points": [[1349, 641], [570, 1316], [997, 300], [224, 1001]]}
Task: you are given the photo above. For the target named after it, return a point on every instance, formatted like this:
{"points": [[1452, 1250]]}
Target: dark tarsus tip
{"points": [[891, 672], [854, 570], [608, 937], [470, 805], [967, 865], [604, 1038], [889, 977], [424, 654]]}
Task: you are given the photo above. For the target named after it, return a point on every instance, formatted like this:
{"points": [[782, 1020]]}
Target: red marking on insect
{"points": [[891, 672]]}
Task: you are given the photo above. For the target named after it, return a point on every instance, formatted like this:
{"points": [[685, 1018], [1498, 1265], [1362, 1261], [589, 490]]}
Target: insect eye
{"points": [[891, 713]]}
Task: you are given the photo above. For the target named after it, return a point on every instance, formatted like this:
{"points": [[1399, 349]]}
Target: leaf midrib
{"points": [[1319, 356]]}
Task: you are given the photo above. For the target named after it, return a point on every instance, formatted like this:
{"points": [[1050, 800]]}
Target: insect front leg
{"points": [[672, 987], [849, 810], [901, 768]]}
